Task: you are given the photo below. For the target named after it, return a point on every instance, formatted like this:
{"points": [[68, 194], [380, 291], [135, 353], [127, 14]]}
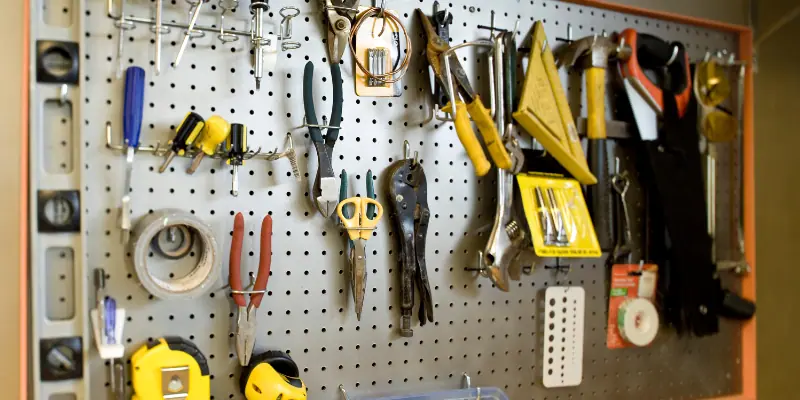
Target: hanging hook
{"points": [[225, 6]]}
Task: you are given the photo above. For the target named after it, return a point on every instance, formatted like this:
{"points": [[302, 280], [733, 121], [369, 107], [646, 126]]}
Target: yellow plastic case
{"points": [[558, 198]]}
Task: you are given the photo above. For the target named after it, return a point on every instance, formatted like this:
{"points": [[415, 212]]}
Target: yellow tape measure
{"points": [[172, 367]]}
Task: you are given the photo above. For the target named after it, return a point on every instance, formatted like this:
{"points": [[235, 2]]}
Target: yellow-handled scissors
{"points": [[360, 225], [359, 228]]}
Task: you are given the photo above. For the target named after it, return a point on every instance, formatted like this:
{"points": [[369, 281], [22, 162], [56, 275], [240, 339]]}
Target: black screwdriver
{"points": [[236, 146], [185, 134]]}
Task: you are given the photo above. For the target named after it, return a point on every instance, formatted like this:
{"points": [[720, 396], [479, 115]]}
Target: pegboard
{"points": [[308, 310]]}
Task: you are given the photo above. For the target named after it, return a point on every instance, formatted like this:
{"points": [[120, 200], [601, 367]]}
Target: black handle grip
{"points": [[736, 307], [652, 51], [601, 194]]}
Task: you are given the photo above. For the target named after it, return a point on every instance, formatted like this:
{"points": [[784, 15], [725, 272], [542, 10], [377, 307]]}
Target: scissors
{"points": [[359, 226]]}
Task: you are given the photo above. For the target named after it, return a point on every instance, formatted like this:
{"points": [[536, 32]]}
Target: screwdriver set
{"points": [[222, 231]]}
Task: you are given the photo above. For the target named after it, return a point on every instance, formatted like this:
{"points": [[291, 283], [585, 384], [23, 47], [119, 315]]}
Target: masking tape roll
{"points": [[637, 320], [196, 283]]}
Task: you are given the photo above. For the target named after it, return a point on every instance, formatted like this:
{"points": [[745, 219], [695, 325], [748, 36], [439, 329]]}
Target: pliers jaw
{"points": [[358, 274], [338, 28], [245, 334]]}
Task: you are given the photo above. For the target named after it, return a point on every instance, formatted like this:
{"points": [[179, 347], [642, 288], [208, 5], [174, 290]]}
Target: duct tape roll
{"points": [[637, 320], [196, 283]]}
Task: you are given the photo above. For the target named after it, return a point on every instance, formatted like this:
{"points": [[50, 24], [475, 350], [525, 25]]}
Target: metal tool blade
{"points": [[646, 118]]}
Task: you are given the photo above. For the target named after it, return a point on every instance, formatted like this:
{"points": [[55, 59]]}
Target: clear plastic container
{"points": [[487, 393]]}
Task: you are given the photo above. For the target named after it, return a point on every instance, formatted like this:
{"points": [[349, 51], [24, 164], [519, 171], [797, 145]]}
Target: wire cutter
{"points": [[359, 223], [470, 107], [340, 15], [324, 189], [246, 320]]}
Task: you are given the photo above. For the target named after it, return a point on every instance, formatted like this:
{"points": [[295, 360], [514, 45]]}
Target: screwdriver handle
{"points": [[133, 106], [236, 144]]}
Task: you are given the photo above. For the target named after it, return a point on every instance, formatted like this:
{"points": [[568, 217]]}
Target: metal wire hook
{"points": [[226, 5]]}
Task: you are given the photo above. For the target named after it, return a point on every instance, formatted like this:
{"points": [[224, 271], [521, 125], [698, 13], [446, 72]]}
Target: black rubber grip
{"points": [[185, 130], [338, 100], [308, 102], [237, 143], [652, 51], [736, 307], [601, 194]]}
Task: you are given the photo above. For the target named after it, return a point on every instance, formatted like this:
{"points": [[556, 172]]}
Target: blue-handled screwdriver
{"points": [[131, 128]]}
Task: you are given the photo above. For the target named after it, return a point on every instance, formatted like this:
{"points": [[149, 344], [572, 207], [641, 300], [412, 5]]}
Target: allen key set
{"points": [[521, 239]]}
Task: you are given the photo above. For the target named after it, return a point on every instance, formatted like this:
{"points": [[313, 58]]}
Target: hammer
{"points": [[593, 53]]}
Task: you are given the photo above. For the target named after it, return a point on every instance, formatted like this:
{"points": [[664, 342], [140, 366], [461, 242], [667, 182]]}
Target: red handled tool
{"points": [[668, 65], [246, 320]]}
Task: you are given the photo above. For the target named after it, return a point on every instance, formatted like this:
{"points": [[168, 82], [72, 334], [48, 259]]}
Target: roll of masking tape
{"points": [[637, 320], [202, 278]]}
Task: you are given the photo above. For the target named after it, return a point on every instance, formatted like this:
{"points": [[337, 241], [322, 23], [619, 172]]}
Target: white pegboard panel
{"points": [[308, 310]]}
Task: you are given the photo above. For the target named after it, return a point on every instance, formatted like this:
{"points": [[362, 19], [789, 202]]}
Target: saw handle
{"points": [[483, 119], [468, 139], [653, 51], [596, 101]]}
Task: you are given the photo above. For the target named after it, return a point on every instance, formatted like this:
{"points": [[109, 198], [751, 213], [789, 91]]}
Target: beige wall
{"points": [[782, 196], [10, 113], [777, 198]]}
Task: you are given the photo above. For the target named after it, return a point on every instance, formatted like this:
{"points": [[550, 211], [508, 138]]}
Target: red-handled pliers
{"points": [[246, 320]]}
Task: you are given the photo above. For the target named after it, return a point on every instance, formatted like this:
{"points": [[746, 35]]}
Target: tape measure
{"points": [[272, 375], [173, 367], [637, 321]]}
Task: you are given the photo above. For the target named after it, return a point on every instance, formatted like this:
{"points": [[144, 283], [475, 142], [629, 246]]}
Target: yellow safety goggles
{"points": [[712, 88]]}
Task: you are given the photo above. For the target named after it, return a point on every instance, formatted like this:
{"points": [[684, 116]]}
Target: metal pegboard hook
{"points": [[382, 16], [445, 59], [225, 6], [324, 125], [157, 150]]}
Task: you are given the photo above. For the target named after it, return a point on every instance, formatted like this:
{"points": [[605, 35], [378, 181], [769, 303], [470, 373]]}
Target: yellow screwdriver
{"points": [[215, 131], [185, 134]]}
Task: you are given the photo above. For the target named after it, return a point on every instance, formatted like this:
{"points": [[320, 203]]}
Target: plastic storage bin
{"points": [[487, 393]]}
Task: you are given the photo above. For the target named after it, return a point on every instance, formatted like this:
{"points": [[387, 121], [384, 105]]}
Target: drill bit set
{"points": [[558, 217]]}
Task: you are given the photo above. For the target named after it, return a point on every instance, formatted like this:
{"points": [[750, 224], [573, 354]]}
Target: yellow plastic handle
{"points": [[483, 119], [215, 132], [468, 139], [360, 226], [596, 100]]}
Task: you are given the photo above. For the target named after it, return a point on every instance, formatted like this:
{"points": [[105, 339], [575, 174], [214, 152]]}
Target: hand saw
{"points": [[647, 56]]}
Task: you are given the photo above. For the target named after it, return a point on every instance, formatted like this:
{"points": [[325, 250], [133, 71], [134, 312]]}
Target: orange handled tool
{"points": [[246, 321]]}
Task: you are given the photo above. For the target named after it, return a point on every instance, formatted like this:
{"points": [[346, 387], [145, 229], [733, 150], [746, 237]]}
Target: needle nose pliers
{"points": [[246, 320]]}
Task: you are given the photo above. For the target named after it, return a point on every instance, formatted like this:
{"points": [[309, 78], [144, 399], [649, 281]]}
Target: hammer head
{"points": [[596, 48]]}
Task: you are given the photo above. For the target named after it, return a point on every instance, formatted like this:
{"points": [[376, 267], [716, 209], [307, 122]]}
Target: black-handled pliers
{"points": [[326, 187]]}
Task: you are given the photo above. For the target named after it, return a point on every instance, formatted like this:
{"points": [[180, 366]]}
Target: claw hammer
{"points": [[592, 53]]}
